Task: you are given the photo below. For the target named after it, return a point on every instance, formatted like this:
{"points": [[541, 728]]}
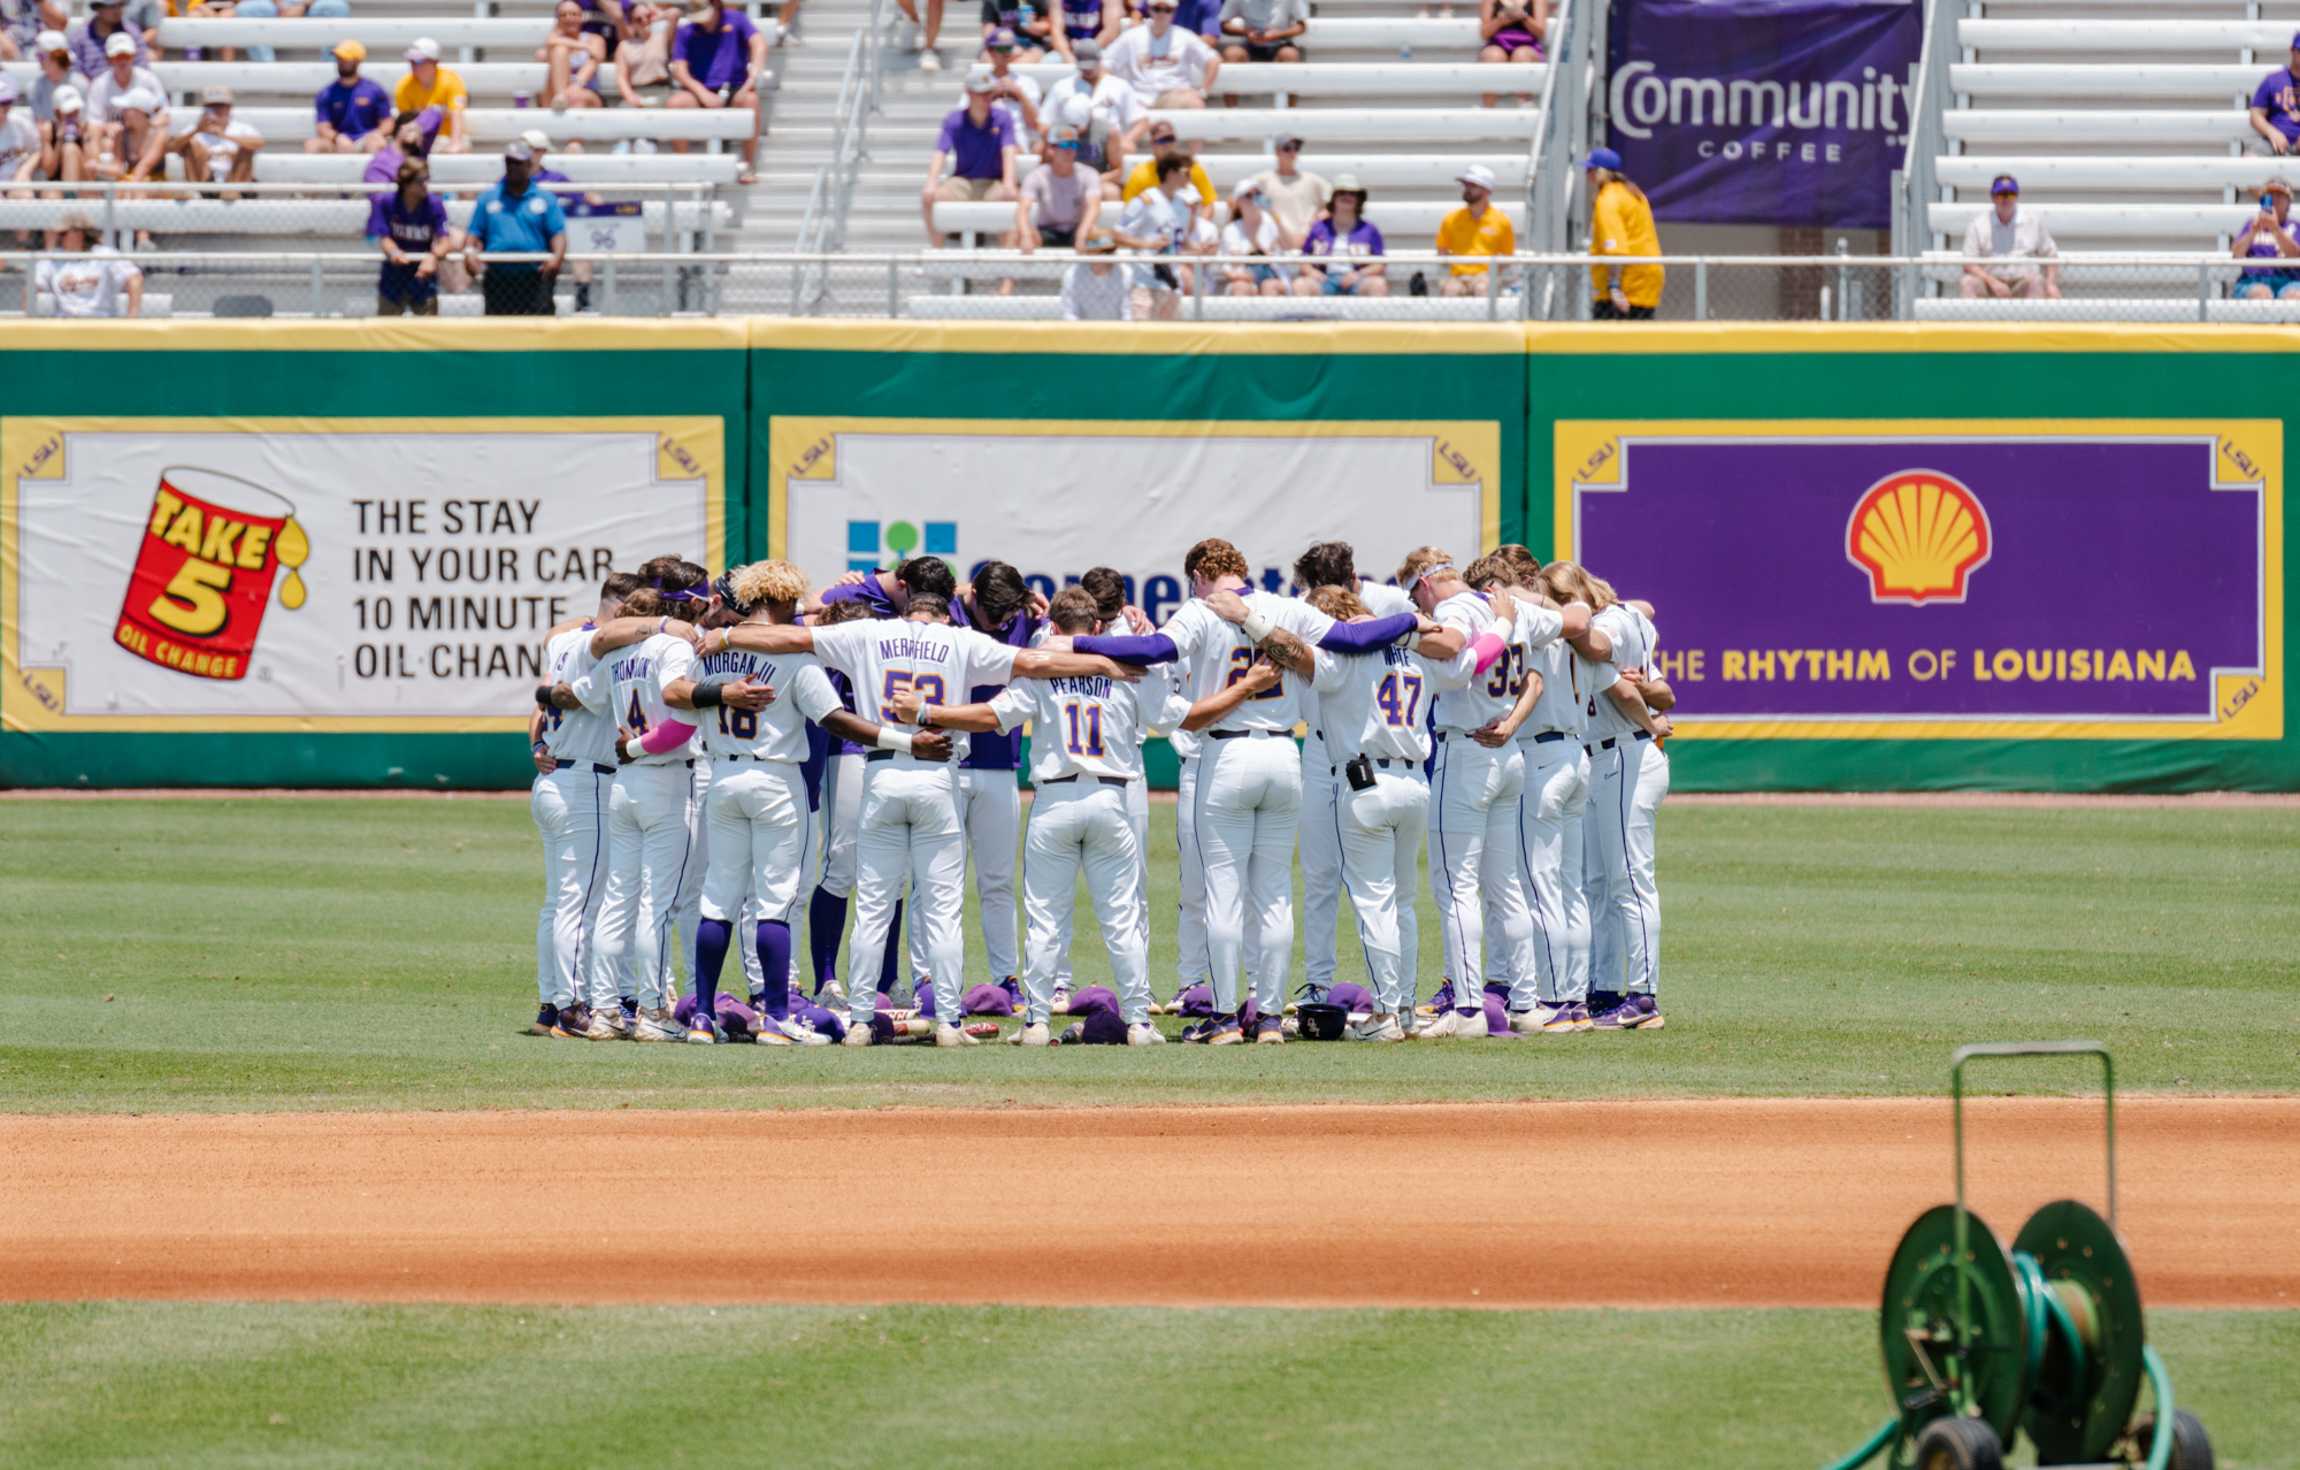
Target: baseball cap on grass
{"points": [[350, 51], [987, 1000], [1103, 1028], [1478, 174], [424, 49], [121, 44], [2003, 184]]}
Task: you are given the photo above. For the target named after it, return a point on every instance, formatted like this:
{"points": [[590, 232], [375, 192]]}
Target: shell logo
{"points": [[1919, 534]]}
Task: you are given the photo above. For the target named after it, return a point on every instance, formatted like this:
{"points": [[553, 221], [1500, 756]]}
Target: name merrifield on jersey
{"points": [[894, 648]]}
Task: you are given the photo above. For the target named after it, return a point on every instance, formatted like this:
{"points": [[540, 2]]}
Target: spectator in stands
{"points": [[90, 39], [929, 33], [572, 57], [1144, 175], [514, 217], [410, 226], [53, 56], [719, 60], [1083, 21], [1118, 118], [571, 200], [1032, 30], [1157, 222], [428, 84], [1296, 198], [273, 10], [2275, 113], [1252, 233], [1621, 223], [1348, 234], [410, 138], [1096, 289], [1263, 30], [1060, 200], [976, 149], [1166, 65], [21, 22], [2007, 233], [19, 138], [219, 149], [349, 113], [101, 284], [642, 54], [144, 17], [64, 140], [2269, 235], [122, 89], [1017, 95], [1477, 229], [1515, 32]]}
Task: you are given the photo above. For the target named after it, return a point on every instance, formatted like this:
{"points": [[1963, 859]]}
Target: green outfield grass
{"points": [[192, 1385], [169, 955]]}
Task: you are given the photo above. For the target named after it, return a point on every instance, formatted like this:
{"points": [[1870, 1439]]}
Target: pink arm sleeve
{"points": [[670, 735], [1487, 647]]}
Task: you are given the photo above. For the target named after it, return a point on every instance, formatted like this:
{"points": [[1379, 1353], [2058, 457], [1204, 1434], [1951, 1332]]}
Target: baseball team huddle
{"points": [[716, 754]]}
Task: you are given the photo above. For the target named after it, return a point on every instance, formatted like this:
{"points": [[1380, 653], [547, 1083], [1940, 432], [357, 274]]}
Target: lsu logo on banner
{"points": [[1918, 534], [211, 549]]}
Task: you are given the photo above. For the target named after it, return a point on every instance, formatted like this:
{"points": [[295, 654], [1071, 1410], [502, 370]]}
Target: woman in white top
{"points": [[1252, 231]]}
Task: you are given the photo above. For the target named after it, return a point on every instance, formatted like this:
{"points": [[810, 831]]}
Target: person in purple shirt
{"points": [[349, 113], [410, 226], [85, 38], [717, 61], [1346, 233], [2269, 235], [2275, 111], [976, 150], [411, 135]]}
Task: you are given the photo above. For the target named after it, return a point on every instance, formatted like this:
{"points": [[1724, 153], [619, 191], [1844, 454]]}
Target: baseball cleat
{"points": [[1637, 1013], [1376, 1028], [658, 1024], [1037, 1033], [1270, 1031], [1561, 1018], [946, 1034], [1466, 1025], [1214, 1031], [629, 1006], [546, 1022], [606, 1025], [858, 1034], [1142, 1033], [573, 1021], [797, 1033], [701, 1031]]}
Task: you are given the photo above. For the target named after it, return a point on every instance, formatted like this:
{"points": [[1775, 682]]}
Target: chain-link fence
{"points": [[245, 279]]}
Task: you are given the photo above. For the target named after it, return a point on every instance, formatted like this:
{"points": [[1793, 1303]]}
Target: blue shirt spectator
{"points": [[516, 218]]}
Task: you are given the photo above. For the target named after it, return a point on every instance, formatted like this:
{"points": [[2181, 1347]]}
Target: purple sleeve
{"points": [[846, 592], [1149, 648], [683, 45], [948, 142], [745, 28], [1320, 240], [1005, 124], [2264, 95], [377, 228], [319, 105], [1374, 231], [1364, 637]]}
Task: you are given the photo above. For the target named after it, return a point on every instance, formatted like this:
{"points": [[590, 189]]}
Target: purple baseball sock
{"points": [[775, 965], [712, 936], [826, 926]]}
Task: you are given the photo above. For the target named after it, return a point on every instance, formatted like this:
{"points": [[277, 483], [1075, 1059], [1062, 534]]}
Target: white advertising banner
{"points": [[1057, 498], [316, 574]]}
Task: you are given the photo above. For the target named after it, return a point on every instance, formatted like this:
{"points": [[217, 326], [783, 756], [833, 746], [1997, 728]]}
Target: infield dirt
{"points": [[1693, 1203]]}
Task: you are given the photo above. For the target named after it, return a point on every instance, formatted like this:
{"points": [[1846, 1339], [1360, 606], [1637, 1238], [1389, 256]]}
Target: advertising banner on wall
{"points": [[1777, 112], [314, 574], [2117, 579], [1056, 499]]}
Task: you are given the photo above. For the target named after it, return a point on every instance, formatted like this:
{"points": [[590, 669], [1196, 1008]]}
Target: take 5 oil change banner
{"points": [[2050, 580], [322, 574]]}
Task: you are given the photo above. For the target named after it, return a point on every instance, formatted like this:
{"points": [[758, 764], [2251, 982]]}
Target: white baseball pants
{"points": [[1137, 817], [569, 807], [650, 842], [1074, 824], [1249, 804], [1549, 824], [1321, 863], [990, 813], [1379, 833], [842, 826], [1192, 965], [909, 830], [1625, 920], [757, 818], [1474, 868]]}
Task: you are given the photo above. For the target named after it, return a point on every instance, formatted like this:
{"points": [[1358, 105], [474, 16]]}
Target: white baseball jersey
{"points": [[1091, 726], [635, 678], [1468, 700], [1376, 705], [803, 692], [583, 734], [1176, 682], [1534, 636], [1558, 706], [882, 657], [1215, 654], [1384, 599], [1626, 629]]}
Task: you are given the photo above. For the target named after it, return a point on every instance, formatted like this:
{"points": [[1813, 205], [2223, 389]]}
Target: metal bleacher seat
{"points": [[384, 37], [467, 170], [1406, 219]]}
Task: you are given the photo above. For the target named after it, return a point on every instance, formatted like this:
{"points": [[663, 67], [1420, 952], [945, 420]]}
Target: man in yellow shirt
{"points": [[428, 84], [1144, 175], [1475, 229], [1621, 223]]}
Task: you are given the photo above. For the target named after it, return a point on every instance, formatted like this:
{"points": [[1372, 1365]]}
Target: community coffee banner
{"points": [[1776, 112], [2063, 580], [322, 575]]}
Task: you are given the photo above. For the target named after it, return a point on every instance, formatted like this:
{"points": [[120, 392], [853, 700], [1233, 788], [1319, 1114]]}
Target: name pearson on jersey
{"points": [[1090, 686]]}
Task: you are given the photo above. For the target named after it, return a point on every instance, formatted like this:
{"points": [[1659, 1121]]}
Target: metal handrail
{"points": [[1549, 154], [831, 199], [1917, 183]]}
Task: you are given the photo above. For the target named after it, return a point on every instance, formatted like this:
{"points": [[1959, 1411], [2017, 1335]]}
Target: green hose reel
{"points": [[1982, 1344]]}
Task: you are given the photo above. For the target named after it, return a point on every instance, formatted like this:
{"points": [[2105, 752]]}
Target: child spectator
{"points": [[349, 113]]}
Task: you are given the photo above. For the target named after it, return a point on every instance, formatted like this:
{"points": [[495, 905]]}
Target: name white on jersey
{"points": [[803, 692]]}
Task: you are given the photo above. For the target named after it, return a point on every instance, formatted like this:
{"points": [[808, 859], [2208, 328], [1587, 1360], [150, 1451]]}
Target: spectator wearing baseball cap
{"points": [[976, 149], [349, 113], [1017, 95], [2275, 111], [1165, 64], [1096, 288], [52, 60], [88, 39], [1620, 223], [64, 139], [219, 148], [1344, 234], [127, 147], [1144, 175], [515, 217], [2001, 241], [1031, 29], [429, 84], [2269, 235], [1263, 30], [1477, 231], [1294, 197], [1060, 200], [19, 137], [719, 60]]}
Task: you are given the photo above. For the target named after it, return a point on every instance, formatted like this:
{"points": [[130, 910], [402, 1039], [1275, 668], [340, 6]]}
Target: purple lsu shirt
{"points": [[994, 752]]}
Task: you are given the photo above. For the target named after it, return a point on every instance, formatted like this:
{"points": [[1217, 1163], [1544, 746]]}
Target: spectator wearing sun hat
{"points": [[515, 217], [1477, 229], [429, 84], [2000, 243], [349, 114], [1345, 234], [1620, 223]]}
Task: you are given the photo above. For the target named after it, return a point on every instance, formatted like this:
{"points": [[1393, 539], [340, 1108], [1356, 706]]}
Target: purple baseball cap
{"points": [[987, 1000], [1094, 1000], [1351, 996], [2003, 184], [1001, 39], [1103, 1028], [1198, 1000], [1497, 1011]]}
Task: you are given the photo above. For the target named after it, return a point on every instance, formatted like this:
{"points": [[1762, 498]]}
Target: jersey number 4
{"points": [[1085, 727], [1400, 698], [636, 717]]}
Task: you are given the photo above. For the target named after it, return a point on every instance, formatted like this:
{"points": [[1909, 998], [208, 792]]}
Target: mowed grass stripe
{"points": [[249, 954]]}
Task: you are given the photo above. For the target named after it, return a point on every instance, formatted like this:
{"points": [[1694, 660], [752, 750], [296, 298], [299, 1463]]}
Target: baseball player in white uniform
{"points": [[1085, 754], [1476, 874], [575, 769], [909, 807], [1376, 806], [1329, 564]]}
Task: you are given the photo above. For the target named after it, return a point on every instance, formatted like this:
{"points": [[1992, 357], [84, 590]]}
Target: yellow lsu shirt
{"points": [[1621, 223], [446, 93], [1488, 234], [1144, 176]]}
